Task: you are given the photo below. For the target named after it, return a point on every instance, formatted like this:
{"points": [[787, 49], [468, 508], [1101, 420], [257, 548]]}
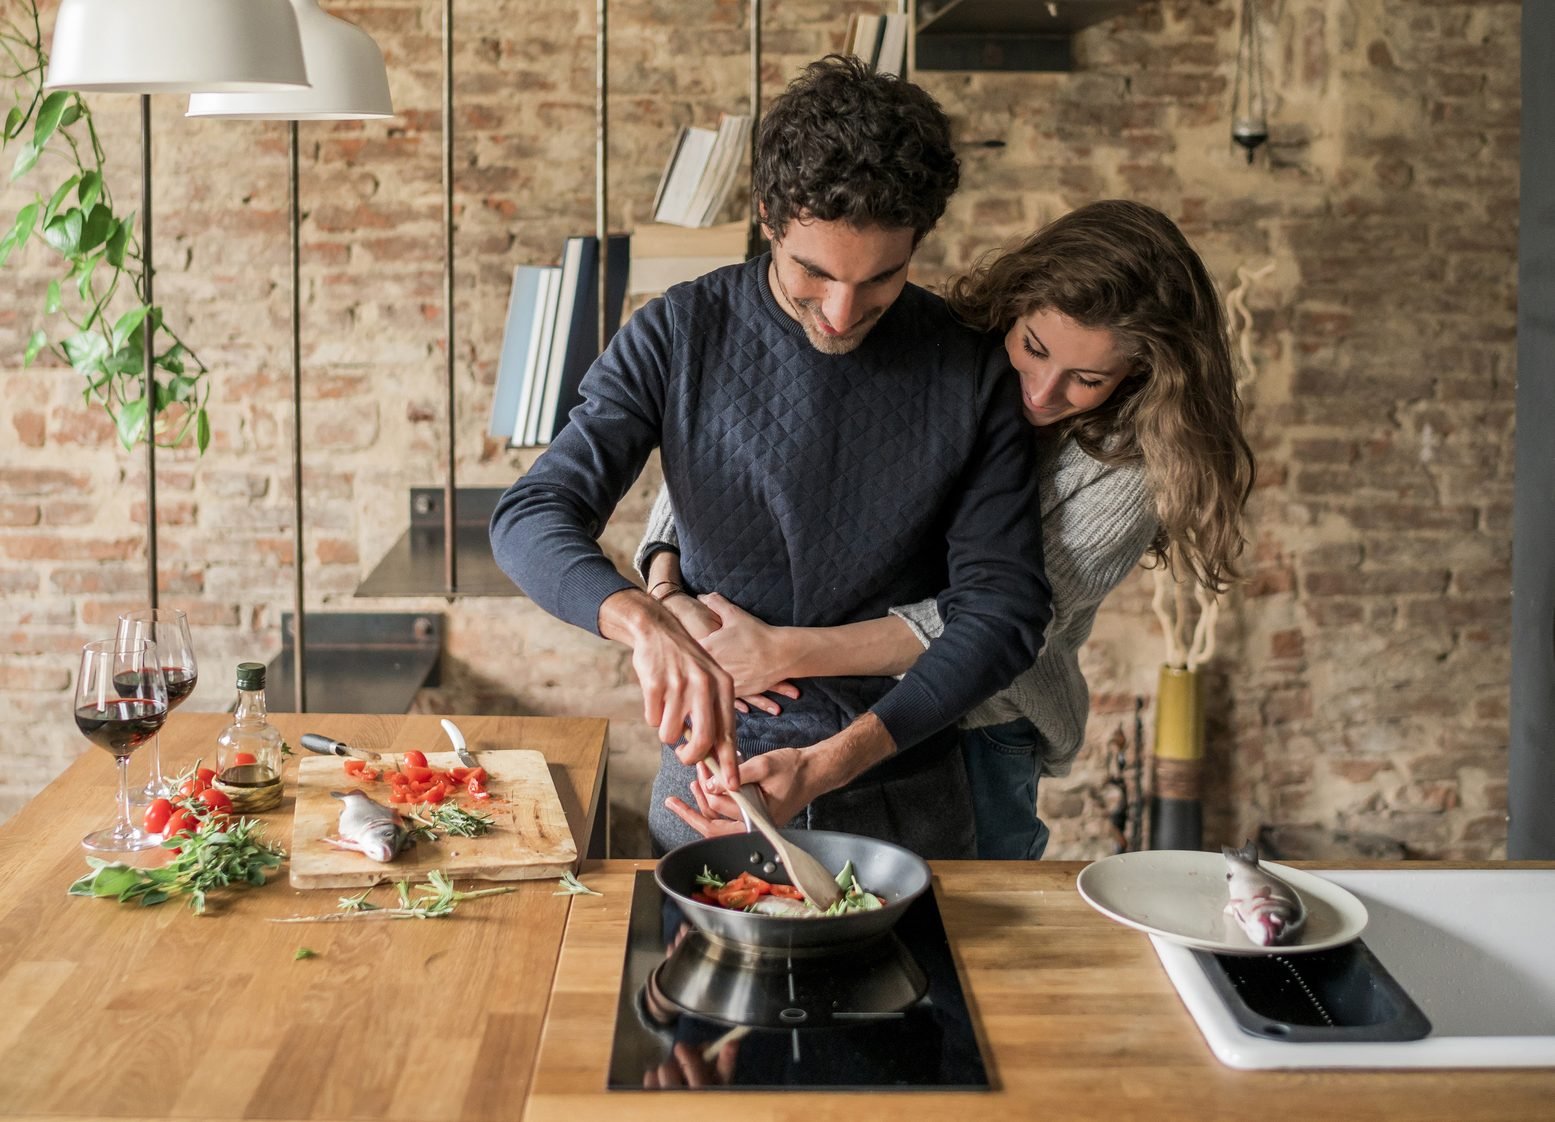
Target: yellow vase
{"points": [[1176, 814]]}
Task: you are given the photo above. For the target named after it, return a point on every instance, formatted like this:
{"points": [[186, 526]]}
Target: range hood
{"points": [[1006, 34]]}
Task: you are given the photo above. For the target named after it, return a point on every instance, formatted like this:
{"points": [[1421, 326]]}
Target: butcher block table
{"points": [[1076, 1016], [112, 1011]]}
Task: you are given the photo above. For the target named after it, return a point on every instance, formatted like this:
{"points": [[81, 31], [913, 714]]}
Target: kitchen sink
{"points": [[1473, 948]]}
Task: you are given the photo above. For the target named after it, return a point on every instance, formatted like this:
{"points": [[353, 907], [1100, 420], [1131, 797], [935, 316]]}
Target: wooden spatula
{"points": [[808, 874]]}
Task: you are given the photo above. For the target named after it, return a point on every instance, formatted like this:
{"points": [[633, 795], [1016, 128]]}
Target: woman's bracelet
{"points": [[673, 588]]}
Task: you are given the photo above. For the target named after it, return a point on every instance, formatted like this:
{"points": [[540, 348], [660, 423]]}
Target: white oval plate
{"points": [[1180, 895]]}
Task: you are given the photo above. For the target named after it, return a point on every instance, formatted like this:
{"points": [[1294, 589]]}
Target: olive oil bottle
{"points": [[248, 751]]}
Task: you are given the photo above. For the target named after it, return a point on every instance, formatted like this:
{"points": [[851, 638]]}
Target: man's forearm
{"points": [[838, 760]]}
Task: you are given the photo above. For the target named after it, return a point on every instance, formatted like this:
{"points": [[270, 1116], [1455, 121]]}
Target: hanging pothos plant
{"points": [[102, 334]]}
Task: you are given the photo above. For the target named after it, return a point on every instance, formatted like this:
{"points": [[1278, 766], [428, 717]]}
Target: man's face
{"points": [[837, 280]]}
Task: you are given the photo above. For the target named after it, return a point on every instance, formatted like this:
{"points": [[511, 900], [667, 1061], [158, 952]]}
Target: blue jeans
{"points": [[1002, 762]]}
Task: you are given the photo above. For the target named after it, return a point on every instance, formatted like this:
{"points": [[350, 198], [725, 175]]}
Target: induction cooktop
{"points": [[696, 1014]]}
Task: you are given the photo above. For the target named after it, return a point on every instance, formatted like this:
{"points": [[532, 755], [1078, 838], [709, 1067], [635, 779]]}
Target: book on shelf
{"points": [[579, 343], [880, 40], [552, 337], [520, 340], [701, 171], [664, 255]]}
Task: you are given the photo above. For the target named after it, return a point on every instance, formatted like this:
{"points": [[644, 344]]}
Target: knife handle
{"points": [[328, 746]]}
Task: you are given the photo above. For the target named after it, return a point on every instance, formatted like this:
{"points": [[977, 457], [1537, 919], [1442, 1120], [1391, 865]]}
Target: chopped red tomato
{"points": [[353, 766], [416, 759], [460, 774], [787, 891], [416, 774]]}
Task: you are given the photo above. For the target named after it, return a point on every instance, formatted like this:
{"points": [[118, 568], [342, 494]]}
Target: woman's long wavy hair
{"points": [[1127, 268]]}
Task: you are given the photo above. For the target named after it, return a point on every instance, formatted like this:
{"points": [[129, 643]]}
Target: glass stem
{"points": [[125, 825], [154, 784]]}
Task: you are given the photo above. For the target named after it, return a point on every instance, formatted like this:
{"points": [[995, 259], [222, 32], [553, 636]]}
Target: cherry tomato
{"points": [[157, 814], [241, 758], [182, 822], [191, 788], [216, 800], [416, 759], [206, 775]]}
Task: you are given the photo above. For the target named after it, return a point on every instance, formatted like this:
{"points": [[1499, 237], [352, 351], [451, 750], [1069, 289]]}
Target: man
{"points": [[834, 443]]}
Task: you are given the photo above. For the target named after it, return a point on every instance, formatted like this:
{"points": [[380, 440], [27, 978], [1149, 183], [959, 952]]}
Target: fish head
{"points": [[380, 844]]}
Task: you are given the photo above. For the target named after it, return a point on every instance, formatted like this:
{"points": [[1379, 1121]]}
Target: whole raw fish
{"points": [[1268, 910], [368, 827]]}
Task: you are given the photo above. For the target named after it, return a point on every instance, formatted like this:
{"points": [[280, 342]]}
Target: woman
{"points": [[1118, 337]]}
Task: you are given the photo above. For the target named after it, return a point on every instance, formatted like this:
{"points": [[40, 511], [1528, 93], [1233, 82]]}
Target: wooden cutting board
{"points": [[529, 838]]}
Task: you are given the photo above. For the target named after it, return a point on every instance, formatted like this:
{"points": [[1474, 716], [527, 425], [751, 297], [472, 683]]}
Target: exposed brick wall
{"points": [[1361, 677]]}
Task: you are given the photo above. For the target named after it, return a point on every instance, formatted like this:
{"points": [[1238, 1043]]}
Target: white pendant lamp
{"points": [[345, 65], [175, 46]]}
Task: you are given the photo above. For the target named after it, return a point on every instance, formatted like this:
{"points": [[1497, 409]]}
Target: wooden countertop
{"points": [[109, 1011], [1077, 1018]]}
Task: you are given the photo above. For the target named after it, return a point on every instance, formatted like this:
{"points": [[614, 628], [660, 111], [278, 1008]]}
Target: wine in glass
{"points": [[121, 702], [168, 628]]}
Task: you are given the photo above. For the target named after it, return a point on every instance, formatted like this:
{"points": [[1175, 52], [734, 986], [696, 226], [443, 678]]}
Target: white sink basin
{"points": [[1474, 948]]}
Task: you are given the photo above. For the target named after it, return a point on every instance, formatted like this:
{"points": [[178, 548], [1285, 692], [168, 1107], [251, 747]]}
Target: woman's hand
{"points": [[750, 651], [785, 779]]}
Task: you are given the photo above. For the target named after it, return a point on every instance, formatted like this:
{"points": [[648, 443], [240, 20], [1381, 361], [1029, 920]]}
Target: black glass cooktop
{"points": [[698, 1014]]}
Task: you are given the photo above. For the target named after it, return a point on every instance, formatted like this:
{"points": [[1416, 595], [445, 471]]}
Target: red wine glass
{"points": [[168, 628], [121, 702]]}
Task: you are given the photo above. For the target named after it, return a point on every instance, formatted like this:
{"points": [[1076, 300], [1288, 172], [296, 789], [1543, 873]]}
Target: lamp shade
{"points": [[175, 46], [346, 66]]}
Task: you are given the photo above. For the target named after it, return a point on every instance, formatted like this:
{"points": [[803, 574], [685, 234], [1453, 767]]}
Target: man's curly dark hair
{"points": [[843, 143]]}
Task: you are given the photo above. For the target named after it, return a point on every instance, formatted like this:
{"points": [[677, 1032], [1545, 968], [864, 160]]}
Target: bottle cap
{"points": [[251, 675]]}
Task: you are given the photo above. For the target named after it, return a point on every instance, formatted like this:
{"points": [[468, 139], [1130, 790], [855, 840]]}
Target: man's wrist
{"points": [[626, 616], [838, 760]]}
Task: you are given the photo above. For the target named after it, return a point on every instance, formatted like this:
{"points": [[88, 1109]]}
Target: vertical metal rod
{"points": [[909, 66], [753, 236], [602, 162], [299, 675], [450, 493], [148, 345]]}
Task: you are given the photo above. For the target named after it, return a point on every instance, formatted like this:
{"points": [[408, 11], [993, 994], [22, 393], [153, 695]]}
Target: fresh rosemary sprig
{"points": [[217, 855], [451, 818], [438, 898], [572, 886]]}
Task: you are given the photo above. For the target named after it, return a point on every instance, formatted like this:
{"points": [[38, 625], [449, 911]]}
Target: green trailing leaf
{"points": [[125, 360], [117, 241], [172, 360], [86, 350], [130, 421], [572, 886], [26, 157], [202, 431], [99, 223], [19, 232], [49, 114], [125, 326], [14, 121], [35, 344], [89, 189], [57, 199], [84, 277], [51, 300], [63, 231]]}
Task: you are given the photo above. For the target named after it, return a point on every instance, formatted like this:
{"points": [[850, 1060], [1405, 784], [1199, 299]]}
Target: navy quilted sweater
{"points": [[810, 489]]}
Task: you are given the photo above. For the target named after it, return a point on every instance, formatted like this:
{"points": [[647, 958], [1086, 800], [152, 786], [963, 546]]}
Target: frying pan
{"points": [[897, 875]]}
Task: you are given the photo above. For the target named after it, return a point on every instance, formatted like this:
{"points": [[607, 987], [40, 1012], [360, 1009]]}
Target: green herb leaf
{"points": [[572, 886], [304, 952], [709, 879]]}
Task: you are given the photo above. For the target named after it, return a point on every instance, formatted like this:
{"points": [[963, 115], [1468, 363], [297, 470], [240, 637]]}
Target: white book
{"points": [[542, 359], [517, 337], [893, 45], [690, 160], [728, 152], [572, 263], [866, 38]]}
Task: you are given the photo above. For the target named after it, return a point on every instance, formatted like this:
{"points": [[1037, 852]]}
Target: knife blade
{"points": [[460, 748], [328, 746]]}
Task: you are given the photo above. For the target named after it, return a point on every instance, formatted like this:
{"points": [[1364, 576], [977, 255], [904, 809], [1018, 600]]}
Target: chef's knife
{"points": [[326, 746], [460, 748]]}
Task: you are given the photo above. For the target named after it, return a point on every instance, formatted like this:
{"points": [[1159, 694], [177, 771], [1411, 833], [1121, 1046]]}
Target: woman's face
{"points": [[1064, 369]]}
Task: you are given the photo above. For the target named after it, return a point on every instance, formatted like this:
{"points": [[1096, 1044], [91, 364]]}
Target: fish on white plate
{"points": [[1269, 911], [368, 827]]}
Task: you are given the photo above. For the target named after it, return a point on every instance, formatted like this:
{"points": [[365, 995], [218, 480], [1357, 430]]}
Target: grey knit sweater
{"points": [[1097, 522], [814, 490]]}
